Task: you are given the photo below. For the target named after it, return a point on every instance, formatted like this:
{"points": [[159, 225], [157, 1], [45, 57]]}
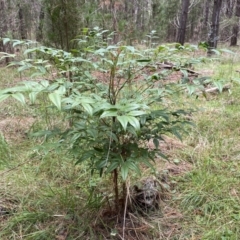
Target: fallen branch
{"points": [[216, 89], [172, 66]]}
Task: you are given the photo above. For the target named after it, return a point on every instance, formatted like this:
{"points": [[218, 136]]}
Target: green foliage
{"points": [[47, 195], [111, 120]]}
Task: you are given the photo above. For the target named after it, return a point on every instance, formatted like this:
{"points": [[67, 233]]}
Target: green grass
{"points": [[208, 196], [48, 197]]}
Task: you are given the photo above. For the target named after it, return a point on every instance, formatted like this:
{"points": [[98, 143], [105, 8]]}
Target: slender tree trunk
{"points": [[115, 182], [204, 26], [213, 35], [3, 20], [22, 28], [114, 21], [39, 33], [235, 29], [229, 8], [3, 28], [183, 22], [206, 13]]}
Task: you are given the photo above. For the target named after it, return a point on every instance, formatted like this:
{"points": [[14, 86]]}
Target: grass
{"points": [[209, 194], [48, 197]]}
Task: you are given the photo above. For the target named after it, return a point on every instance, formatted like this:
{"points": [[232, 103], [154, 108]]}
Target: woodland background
{"points": [[55, 23]]}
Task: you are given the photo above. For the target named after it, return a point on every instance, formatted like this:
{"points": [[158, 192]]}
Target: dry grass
{"points": [[15, 129]]}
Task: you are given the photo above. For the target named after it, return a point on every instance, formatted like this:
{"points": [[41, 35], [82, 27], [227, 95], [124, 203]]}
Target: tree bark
{"points": [[22, 28], [235, 29], [114, 21], [213, 35], [237, 10], [3, 27], [206, 12], [39, 32], [183, 22], [229, 8]]}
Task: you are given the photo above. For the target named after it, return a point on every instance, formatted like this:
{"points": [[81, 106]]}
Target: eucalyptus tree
{"points": [[235, 28], [183, 22], [205, 18], [3, 26], [213, 35]]}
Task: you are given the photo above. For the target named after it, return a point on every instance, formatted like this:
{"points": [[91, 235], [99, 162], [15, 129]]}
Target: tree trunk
{"points": [[114, 21], [3, 28], [183, 22], [22, 28], [235, 29], [213, 35], [39, 33], [115, 183], [3, 21], [237, 10], [206, 12], [229, 8]]}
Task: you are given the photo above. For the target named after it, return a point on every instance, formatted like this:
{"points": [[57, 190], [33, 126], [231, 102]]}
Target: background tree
{"points": [[229, 7], [61, 23], [206, 13], [3, 24], [235, 28], [22, 27], [39, 30], [213, 35], [55, 23], [183, 22]]}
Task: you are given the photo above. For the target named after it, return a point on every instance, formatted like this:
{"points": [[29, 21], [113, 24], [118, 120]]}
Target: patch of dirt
{"points": [[167, 144], [207, 72], [15, 128], [173, 166], [178, 169], [172, 77], [170, 224]]}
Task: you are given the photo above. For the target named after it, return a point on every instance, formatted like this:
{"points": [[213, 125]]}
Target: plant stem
{"points": [[124, 195], [115, 182]]}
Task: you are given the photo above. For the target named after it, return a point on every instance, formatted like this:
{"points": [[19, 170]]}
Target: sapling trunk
{"points": [[124, 195], [115, 182]]}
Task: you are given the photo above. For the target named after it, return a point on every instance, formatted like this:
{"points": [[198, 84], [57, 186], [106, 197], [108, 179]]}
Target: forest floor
{"points": [[44, 196]]}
